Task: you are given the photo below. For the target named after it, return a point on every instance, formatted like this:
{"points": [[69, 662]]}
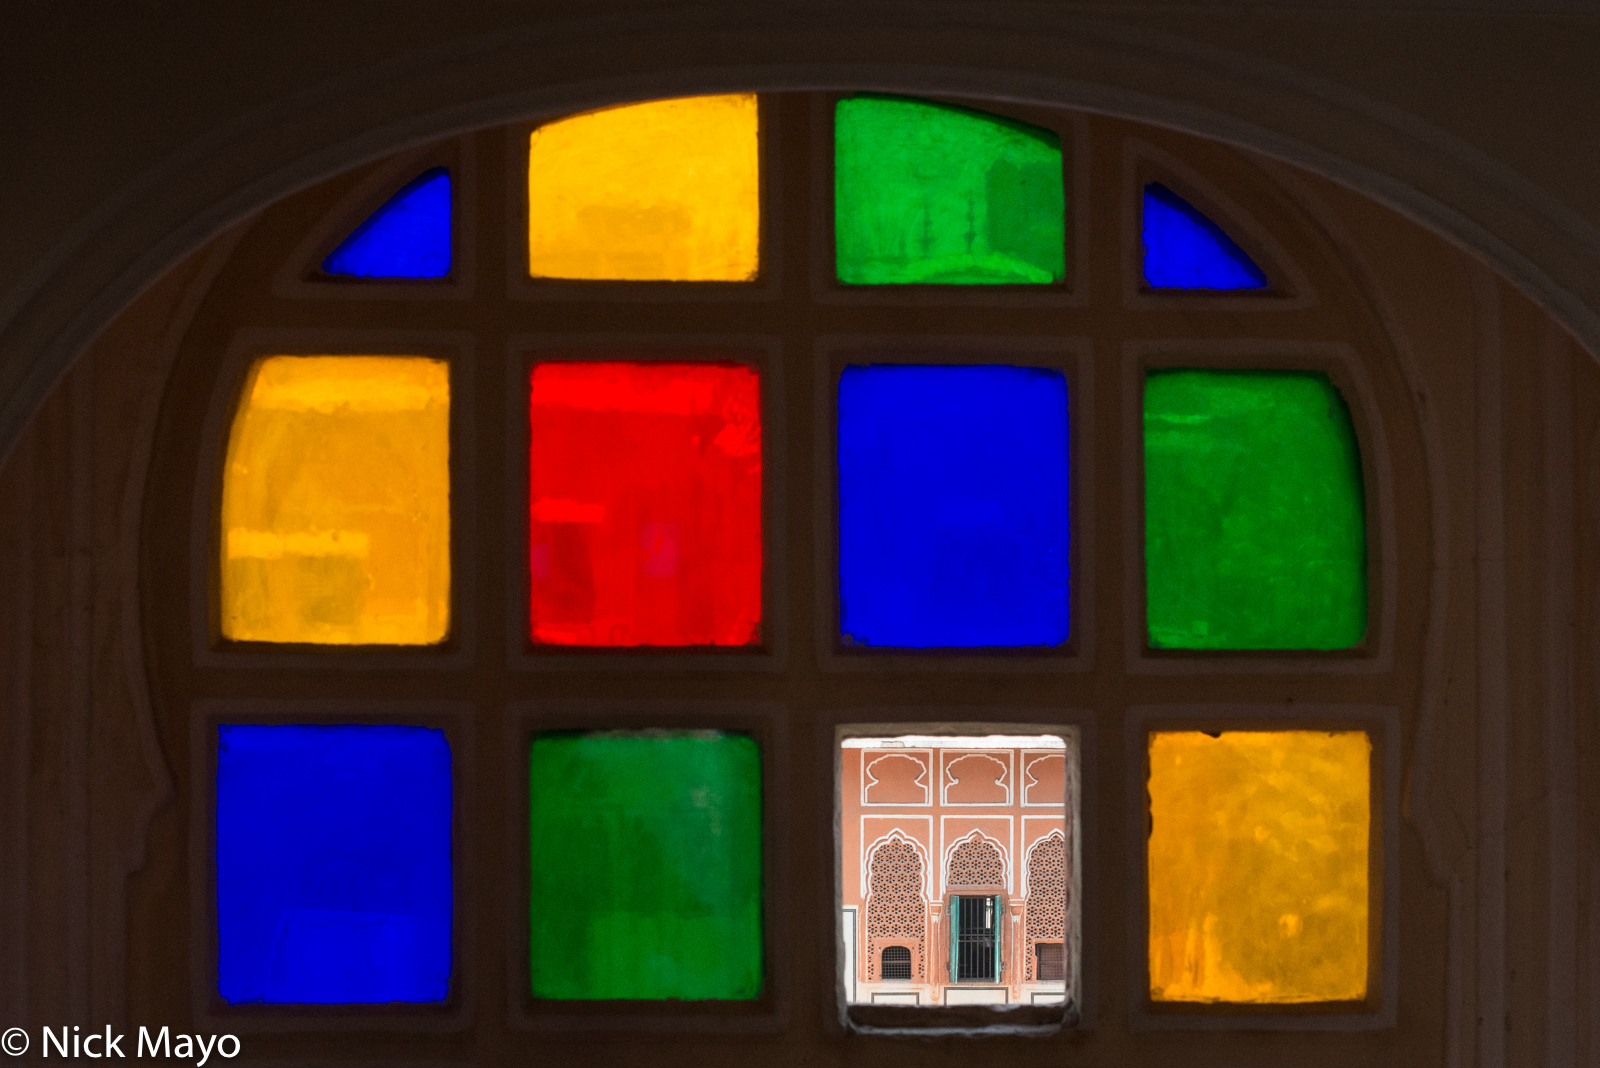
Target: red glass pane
{"points": [[644, 504]]}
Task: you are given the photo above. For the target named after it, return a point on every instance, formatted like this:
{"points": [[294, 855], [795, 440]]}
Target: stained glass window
{"points": [[1183, 249], [409, 237], [333, 864], [1258, 865], [336, 502], [1255, 519], [646, 866], [927, 192], [644, 503], [664, 191], [657, 569], [953, 518]]}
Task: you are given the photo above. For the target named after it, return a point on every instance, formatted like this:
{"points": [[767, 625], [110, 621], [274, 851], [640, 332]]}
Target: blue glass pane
{"points": [[409, 237], [333, 864], [1185, 250], [952, 506]]}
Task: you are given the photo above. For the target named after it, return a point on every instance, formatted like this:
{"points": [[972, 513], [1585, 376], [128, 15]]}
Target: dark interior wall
{"points": [[1498, 840], [135, 132]]}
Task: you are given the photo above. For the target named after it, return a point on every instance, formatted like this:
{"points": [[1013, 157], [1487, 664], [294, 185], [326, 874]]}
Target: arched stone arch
{"points": [[235, 153]]}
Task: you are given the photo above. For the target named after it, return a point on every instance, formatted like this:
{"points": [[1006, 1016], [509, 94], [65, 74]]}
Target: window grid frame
{"points": [[782, 217]]}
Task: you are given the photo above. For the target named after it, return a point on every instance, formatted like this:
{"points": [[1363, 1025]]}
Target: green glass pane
{"points": [[928, 192], [646, 865], [1255, 523]]}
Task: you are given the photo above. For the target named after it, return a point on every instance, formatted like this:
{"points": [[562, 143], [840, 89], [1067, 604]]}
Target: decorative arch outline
{"points": [[870, 780], [949, 780], [1029, 762], [891, 921], [1045, 919], [973, 836]]}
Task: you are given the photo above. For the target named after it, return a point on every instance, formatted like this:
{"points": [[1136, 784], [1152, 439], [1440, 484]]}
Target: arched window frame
{"points": [[1083, 525]]}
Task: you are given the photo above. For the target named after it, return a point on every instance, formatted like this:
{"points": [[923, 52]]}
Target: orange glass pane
{"points": [[336, 502], [1258, 866], [663, 191]]}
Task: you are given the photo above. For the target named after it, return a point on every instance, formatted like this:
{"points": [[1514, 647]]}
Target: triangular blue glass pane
{"points": [[1185, 250], [409, 237]]}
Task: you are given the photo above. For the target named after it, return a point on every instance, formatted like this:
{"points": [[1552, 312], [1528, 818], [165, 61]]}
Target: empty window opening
{"points": [[957, 853]]}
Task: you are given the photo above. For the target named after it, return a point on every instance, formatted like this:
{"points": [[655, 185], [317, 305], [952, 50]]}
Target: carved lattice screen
{"points": [[897, 911]]}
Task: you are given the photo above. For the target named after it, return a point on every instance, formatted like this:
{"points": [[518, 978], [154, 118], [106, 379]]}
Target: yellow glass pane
{"points": [[664, 191], [336, 502], [1258, 865]]}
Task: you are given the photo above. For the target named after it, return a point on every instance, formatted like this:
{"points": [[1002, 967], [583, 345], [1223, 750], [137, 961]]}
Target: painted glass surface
{"points": [[644, 504], [409, 237], [1255, 519], [953, 506], [333, 864], [1185, 250], [1258, 865], [927, 192], [646, 866], [336, 502], [664, 191]]}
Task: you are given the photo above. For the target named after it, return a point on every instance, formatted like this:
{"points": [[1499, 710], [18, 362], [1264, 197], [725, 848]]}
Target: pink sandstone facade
{"points": [[935, 829]]}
